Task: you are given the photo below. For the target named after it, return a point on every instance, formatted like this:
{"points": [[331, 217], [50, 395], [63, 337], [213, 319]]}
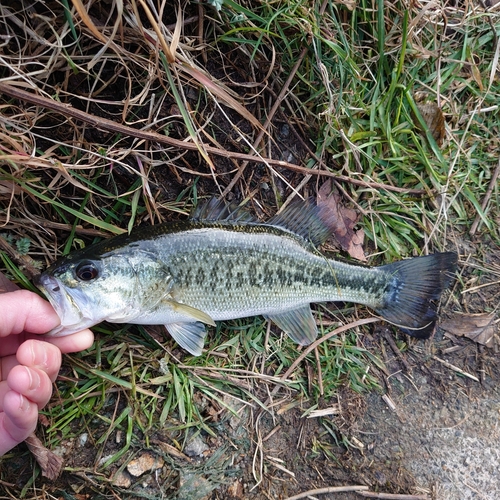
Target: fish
{"points": [[222, 263]]}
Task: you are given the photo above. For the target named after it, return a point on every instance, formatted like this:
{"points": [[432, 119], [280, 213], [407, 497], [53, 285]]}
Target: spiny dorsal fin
{"points": [[218, 210], [306, 219]]}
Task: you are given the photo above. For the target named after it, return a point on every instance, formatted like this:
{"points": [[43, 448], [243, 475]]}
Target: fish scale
{"points": [[221, 264], [272, 276]]}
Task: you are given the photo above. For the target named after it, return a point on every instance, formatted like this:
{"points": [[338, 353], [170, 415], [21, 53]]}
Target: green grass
{"points": [[354, 100]]}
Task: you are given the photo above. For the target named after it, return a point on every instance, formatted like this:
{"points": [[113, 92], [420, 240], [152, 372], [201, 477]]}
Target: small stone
{"points": [[144, 463], [83, 439], [194, 487], [284, 131], [195, 447], [235, 490], [122, 480]]}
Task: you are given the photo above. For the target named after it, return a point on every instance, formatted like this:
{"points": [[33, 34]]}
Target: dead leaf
{"points": [[171, 450], [122, 479], [349, 4], [341, 222], [475, 71], [49, 462], [480, 328], [434, 119]]}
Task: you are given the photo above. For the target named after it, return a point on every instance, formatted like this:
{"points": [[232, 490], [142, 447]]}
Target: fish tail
{"points": [[415, 286]]}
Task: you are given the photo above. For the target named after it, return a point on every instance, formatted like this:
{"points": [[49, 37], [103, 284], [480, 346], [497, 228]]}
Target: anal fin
{"points": [[190, 336], [298, 323]]}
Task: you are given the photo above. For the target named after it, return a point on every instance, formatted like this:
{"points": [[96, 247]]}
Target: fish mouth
{"points": [[72, 318]]}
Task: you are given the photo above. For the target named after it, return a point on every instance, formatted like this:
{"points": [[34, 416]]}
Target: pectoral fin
{"points": [[192, 312], [190, 336], [299, 324]]}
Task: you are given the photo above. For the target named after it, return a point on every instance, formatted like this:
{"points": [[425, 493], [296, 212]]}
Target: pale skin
{"points": [[28, 365]]}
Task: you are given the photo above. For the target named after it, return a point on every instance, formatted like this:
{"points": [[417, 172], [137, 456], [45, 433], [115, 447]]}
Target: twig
{"points": [[275, 463], [315, 344], [6, 484], [486, 199], [455, 368], [389, 402], [395, 349], [331, 489], [272, 112], [392, 496], [58, 226], [111, 126]]}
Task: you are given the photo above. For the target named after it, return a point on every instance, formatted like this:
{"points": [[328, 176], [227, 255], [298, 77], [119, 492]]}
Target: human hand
{"points": [[28, 366]]}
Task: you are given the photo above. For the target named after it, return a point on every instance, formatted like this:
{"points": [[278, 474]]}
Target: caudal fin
{"points": [[418, 283]]}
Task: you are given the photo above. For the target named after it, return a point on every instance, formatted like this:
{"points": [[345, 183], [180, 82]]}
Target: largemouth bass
{"points": [[221, 264]]}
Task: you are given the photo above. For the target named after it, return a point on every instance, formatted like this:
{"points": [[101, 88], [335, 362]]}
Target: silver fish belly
{"points": [[219, 267]]}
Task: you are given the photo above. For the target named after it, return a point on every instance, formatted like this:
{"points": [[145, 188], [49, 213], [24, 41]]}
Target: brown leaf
{"points": [[434, 118], [43, 420], [480, 328], [342, 221], [49, 462], [171, 450]]}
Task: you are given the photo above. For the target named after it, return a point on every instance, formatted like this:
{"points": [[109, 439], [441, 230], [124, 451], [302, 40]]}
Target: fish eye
{"points": [[86, 271]]}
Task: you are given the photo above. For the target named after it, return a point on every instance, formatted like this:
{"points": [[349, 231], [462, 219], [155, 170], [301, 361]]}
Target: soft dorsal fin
{"points": [[218, 210], [304, 218]]}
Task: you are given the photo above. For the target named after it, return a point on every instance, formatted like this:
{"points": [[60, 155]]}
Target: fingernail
{"points": [[24, 403], [34, 379], [39, 353]]}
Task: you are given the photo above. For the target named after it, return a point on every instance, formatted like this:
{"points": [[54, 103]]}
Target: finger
{"points": [[4, 389], [40, 354], [6, 364], [33, 383], [17, 421], [9, 345], [23, 310], [73, 343]]}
